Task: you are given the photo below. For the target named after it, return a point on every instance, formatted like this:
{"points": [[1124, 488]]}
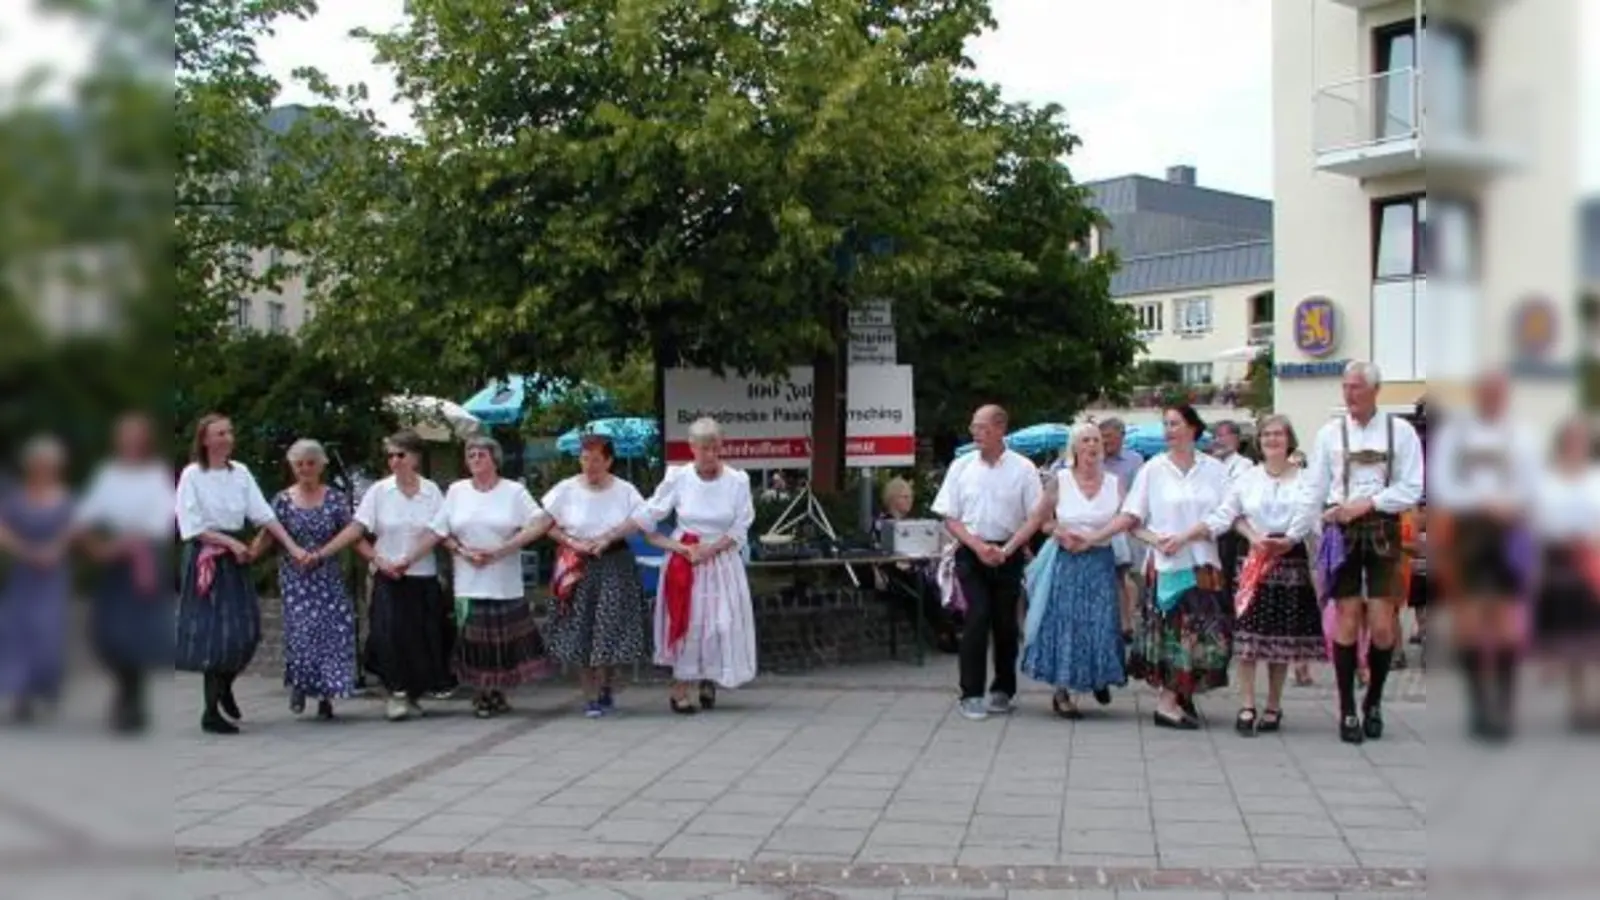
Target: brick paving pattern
{"points": [[855, 783]]}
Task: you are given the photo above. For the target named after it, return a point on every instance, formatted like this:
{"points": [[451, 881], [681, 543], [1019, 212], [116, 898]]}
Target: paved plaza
{"points": [[855, 783]]}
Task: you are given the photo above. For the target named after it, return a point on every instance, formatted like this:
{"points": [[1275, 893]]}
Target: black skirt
{"points": [[220, 630], [606, 620], [1567, 617], [409, 635], [132, 629], [1284, 623]]}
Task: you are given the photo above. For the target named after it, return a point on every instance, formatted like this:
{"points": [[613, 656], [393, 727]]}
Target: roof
{"points": [[1150, 215], [1204, 267]]}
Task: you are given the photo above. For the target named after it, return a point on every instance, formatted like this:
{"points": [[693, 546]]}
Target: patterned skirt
{"points": [[499, 646], [721, 643], [218, 632], [1187, 650], [1284, 623], [410, 635], [606, 620], [1079, 644]]}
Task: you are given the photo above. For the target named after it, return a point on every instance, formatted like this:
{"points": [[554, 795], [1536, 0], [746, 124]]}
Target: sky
{"points": [[1145, 84]]}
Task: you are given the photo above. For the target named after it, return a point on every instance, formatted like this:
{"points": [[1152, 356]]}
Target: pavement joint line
{"points": [[303, 825], [1341, 880]]}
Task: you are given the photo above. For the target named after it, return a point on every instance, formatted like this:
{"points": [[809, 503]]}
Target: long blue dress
{"points": [[33, 603], [319, 621], [1079, 644]]}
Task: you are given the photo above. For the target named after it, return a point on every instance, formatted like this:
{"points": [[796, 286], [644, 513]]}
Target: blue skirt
{"points": [[133, 630], [220, 631], [1079, 644]]}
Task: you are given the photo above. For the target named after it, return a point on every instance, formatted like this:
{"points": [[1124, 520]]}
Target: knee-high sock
{"points": [[1505, 677], [1344, 675], [1471, 661], [1380, 659]]}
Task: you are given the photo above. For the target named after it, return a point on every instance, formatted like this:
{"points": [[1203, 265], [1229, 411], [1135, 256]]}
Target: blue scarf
{"points": [[1038, 580]]}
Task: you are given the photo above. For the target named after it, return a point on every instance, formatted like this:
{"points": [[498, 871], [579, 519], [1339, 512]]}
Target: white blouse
{"points": [[1568, 507], [219, 500], [1169, 501], [585, 512], [483, 520], [1083, 515], [992, 501], [709, 509], [1270, 505], [398, 522], [129, 499]]}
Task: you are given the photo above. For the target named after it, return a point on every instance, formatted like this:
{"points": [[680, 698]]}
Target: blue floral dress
{"points": [[319, 621]]}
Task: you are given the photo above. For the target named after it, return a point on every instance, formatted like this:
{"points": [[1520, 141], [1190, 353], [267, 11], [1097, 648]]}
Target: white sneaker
{"points": [[973, 709], [397, 708]]}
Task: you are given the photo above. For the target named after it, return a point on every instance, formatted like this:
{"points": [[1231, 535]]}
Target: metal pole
{"points": [[867, 483]]}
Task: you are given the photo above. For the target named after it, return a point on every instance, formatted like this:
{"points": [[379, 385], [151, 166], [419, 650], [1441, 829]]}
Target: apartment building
{"points": [[1196, 266], [1424, 184], [280, 309]]}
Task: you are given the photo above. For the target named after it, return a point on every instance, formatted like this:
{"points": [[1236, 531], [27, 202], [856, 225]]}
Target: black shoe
{"points": [[325, 709], [1064, 707], [1102, 696], [1246, 722], [229, 706], [682, 707], [1271, 720], [708, 695], [1187, 705], [1350, 730], [1181, 723], [1372, 723], [214, 723], [297, 701]]}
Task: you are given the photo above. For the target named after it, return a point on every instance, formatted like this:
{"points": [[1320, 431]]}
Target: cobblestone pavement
{"points": [[857, 783]]}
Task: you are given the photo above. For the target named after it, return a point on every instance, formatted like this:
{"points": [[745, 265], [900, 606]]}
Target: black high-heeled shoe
{"points": [[1180, 723], [1350, 730], [1271, 721], [1246, 722], [682, 707], [708, 695]]}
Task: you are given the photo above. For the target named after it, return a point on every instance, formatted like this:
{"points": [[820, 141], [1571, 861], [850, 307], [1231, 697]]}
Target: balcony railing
{"points": [[1373, 120], [1393, 122], [1261, 334]]}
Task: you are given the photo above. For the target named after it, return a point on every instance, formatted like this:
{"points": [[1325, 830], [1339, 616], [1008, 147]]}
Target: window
{"points": [[1193, 315], [1450, 55], [1398, 224], [275, 317], [1450, 239], [1395, 59], [1195, 373], [1150, 316], [241, 313]]}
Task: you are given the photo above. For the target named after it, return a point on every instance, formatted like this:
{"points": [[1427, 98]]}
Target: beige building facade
{"points": [[1424, 187]]}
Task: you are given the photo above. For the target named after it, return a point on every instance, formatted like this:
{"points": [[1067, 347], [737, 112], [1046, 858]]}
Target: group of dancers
{"points": [[1325, 533], [483, 634]]}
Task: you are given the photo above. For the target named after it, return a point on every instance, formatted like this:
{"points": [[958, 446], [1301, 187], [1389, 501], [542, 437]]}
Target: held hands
{"points": [[1171, 544], [992, 555], [1072, 541], [1349, 511], [391, 569], [1273, 546]]}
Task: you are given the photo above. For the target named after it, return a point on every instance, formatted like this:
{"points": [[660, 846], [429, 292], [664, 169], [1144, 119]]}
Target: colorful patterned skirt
{"points": [[1079, 642], [217, 632], [1187, 650], [499, 646], [606, 620], [1284, 623]]}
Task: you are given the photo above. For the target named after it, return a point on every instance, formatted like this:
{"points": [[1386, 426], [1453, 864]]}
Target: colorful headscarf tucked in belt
{"points": [[677, 591], [568, 571], [1256, 566], [205, 568]]}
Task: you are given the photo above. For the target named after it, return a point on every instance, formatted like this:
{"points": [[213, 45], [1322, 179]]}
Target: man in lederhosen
{"points": [[1366, 469], [1483, 471], [986, 502]]}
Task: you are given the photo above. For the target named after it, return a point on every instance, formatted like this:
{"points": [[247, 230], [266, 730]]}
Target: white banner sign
{"points": [[767, 424]]}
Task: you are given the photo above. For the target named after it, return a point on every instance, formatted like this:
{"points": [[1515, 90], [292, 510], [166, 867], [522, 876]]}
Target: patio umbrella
{"points": [[1035, 440], [504, 401], [631, 438], [432, 418]]}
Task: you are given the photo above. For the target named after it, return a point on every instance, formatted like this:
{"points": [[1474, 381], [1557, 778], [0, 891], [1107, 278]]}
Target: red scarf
{"points": [[205, 569], [568, 570], [1256, 566], [676, 590]]}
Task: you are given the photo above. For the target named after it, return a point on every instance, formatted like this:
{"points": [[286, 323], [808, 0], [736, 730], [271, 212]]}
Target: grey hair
{"points": [[1078, 433], [704, 431], [1368, 372], [894, 486], [43, 448], [306, 448], [1112, 423], [484, 442]]}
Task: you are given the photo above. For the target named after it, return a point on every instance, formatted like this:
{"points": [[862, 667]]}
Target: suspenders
{"points": [[1388, 456]]}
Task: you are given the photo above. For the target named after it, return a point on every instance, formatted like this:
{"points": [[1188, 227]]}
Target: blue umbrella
{"points": [[502, 401], [1148, 440], [1035, 440], [631, 438]]}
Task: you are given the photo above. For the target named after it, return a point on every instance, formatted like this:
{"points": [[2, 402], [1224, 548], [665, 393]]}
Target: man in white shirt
{"points": [[1483, 472], [986, 501], [1365, 470], [1124, 463]]}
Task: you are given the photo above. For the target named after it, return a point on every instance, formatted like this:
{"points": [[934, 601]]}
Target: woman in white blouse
{"points": [[704, 625], [1567, 618], [601, 617], [126, 520], [1277, 619], [219, 615], [408, 638], [1181, 644], [1073, 639], [484, 523]]}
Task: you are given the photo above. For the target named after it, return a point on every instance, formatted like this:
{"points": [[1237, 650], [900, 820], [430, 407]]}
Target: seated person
{"points": [[912, 586]]}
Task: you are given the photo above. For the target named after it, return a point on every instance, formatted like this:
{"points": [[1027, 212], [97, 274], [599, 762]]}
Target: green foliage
{"points": [[1149, 372], [1259, 394]]}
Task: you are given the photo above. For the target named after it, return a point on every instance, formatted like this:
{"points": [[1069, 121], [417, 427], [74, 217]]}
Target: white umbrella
{"points": [[433, 418], [1239, 354]]}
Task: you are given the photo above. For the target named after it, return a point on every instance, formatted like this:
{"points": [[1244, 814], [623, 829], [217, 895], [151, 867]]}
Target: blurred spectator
{"points": [[35, 529]]}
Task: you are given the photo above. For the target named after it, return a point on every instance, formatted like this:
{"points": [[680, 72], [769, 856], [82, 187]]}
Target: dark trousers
{"points": [[992, 594]]}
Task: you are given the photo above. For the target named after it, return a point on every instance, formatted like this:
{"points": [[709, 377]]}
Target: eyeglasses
{"points": [[398, 454]]}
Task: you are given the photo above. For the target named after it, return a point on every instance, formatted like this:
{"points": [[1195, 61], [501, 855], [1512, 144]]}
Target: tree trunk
{"points": [[829, 406]]}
